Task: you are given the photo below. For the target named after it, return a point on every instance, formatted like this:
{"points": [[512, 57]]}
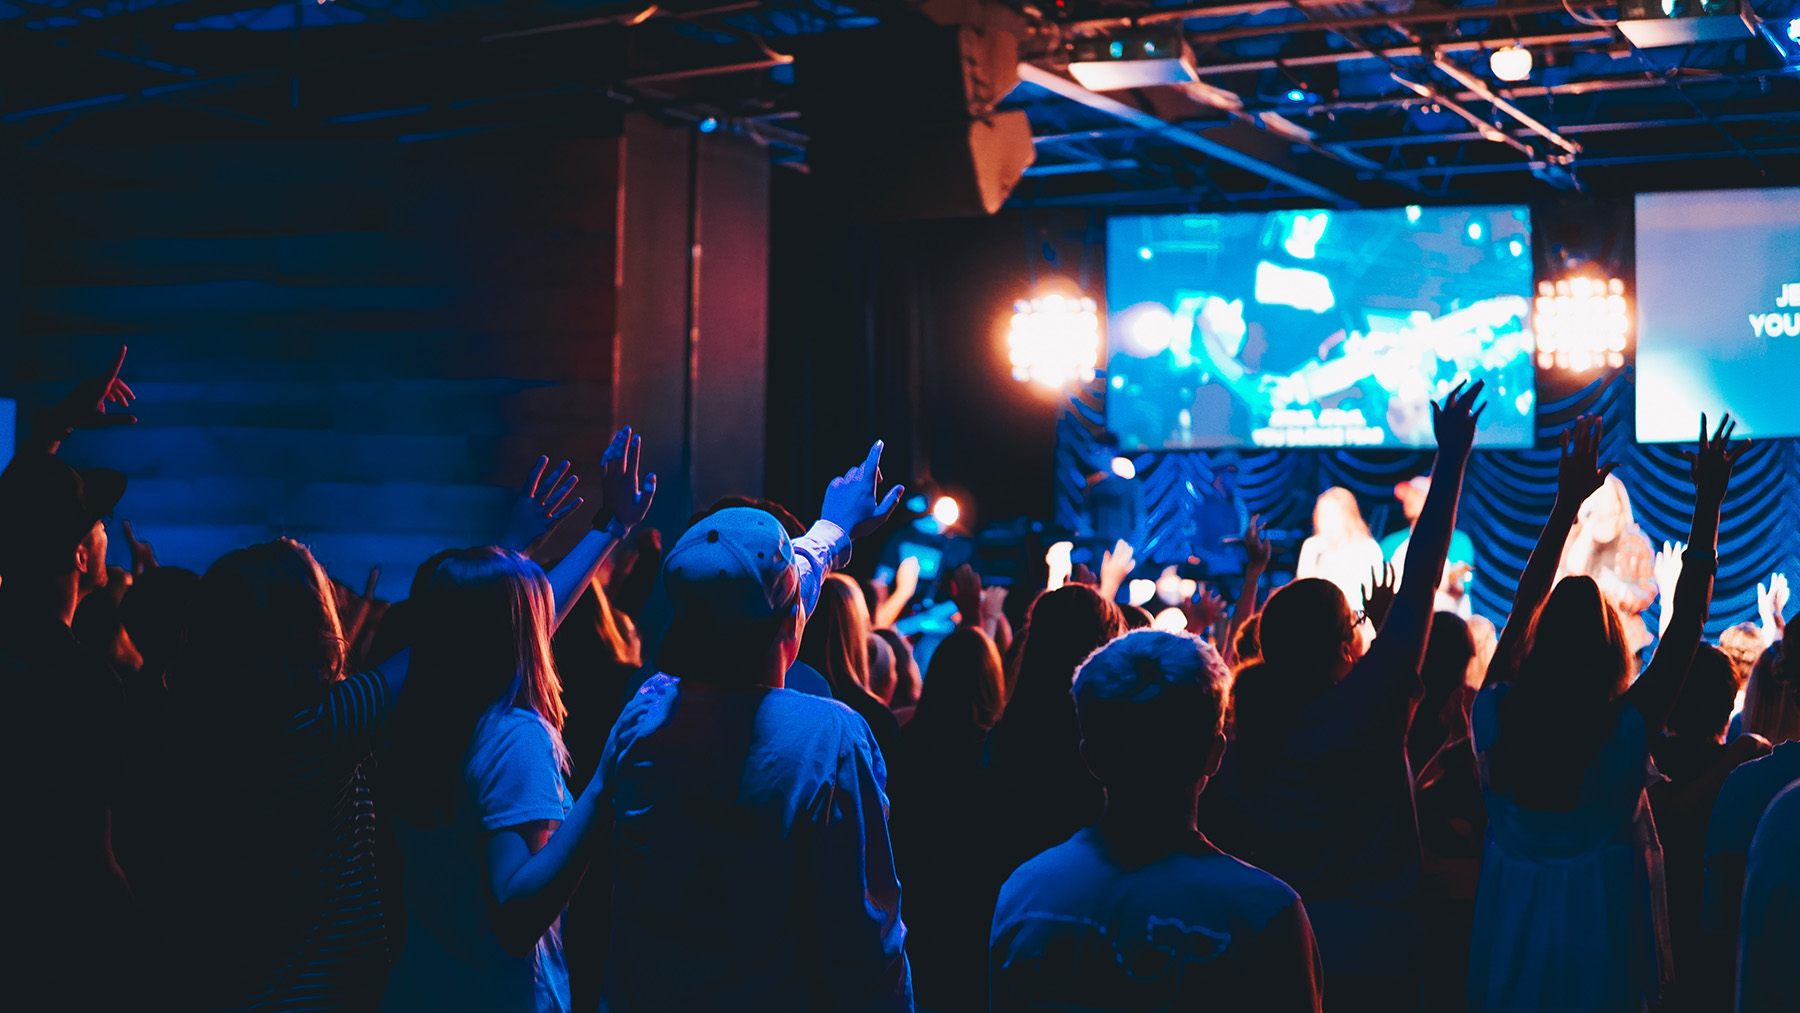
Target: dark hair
{"points": [[1772, 697], [1062, 629], [158, 612], [1150, 706], [265, 636], [1703, 708], [1248, 645], [1563, 704], [1448, 651], [966, 687], [483, 645], [1302, 631], [1137, 617]]}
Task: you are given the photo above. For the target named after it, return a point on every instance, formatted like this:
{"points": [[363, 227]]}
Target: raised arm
{"points": [[1578, 475], [1257, 552], [83, 407], [853, 509], [624, 501], [1408, 622], [1653, 694]]}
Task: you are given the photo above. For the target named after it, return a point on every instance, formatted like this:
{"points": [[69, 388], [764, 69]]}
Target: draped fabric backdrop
{"points": [[1506, 496]]}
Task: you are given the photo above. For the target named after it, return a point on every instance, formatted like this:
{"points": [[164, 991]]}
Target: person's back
{"points": [[740, 841], [1141, 911], [1083, 926], [1769, 928], [751, 869]]}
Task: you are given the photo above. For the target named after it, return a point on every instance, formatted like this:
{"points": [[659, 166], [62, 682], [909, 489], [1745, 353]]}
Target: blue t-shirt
{"points": [[452, 960], [751, 866], [1081, 928]]}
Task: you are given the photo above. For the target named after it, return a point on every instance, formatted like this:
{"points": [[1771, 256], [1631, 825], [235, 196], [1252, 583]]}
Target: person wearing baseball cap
{"points": [[1453, 593], [752, 868], [62, 752]]}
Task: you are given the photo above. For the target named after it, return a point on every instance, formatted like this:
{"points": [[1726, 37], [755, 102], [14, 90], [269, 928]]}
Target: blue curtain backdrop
{"points": [[1506, 496]]}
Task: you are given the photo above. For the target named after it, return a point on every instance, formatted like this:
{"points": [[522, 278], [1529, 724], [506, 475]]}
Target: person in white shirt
{"points": [[1341, 550]]}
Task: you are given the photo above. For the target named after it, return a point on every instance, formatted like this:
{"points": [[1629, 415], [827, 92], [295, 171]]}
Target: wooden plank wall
{"points": [[359, 345]]}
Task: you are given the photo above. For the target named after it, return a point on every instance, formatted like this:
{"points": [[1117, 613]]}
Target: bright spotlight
{"points": [[1170, 620], [1794, 30], [1511, 64], [1144, 253], [1475, 232], [1152, 329], [1140, 591], [1122, 467], [1581, 324], [945, 511], [708, 125], [1055, 340], [1413, 211]]}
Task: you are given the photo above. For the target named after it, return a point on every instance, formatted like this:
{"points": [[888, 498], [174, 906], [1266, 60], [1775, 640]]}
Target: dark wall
{"points": [[359, 345], [899, 332]]}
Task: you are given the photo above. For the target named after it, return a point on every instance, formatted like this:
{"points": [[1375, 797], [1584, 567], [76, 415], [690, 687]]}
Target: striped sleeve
{"points": [[354, 710]]}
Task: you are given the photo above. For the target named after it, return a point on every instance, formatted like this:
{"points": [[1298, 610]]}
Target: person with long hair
{"points": [[288, 917], [1771, 711], [1317, 783], [1606, 544], [1040, 789], [493, 843], [1341, 549], [938, 809], [837, 645], [908, 683], [1571, 912]]}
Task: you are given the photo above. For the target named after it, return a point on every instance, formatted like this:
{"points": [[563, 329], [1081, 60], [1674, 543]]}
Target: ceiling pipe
{"points": [[1390, 52], [1479, 87], [1264, 6]]}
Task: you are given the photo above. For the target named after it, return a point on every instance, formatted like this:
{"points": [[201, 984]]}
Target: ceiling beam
{"points": [[1590, 36], [1293, 178]]}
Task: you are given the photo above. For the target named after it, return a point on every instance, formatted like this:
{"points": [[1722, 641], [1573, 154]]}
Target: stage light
{"points": [[1055, 340], [917, 504], [1122, 467], [1475, 232], [1170, 620], [1144, 253], [1296, 95], [945, 511], [1511, 64], [1794, 30], [1516, 248], [1151, 328], [1413, 211], [1581, 324], [708, 125]]}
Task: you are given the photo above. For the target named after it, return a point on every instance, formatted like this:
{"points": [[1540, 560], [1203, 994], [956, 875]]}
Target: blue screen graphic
{"points": [[1718, 297], [1317, 328]]}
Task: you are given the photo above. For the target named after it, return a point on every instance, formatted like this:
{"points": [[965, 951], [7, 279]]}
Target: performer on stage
{"points": [[1607, 545], [1341, 550], [1459, 568]]}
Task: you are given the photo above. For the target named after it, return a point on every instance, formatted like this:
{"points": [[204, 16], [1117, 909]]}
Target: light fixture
{"points": [[1170, 620], [1055, 340], [1512, 63], [708, 125], [1581, 323], [1145, 253], [1140, 591], [1122, 467], [1134, 58], [945, 511]]}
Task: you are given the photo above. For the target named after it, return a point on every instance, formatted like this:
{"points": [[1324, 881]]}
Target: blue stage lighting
{"points": [[1296, 95], [708, 125]]}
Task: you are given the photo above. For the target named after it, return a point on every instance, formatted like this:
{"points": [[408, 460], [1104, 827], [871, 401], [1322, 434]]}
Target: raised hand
{"points": [[1205, 610], [1057, 559], [1455, 419], [1711, 465], [542, 503], [1256, 546], [621, 492], [84, 406], [1080, 574], [1771, 607], [1667, 568], [1378, 596], [906, 579], [1579, 473], [850, 500], [143, 556], [965, 590], [993, 607], [1115, 567]]}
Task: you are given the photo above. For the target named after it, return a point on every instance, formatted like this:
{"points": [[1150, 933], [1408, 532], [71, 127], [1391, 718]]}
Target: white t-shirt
{"points": [[452, 959], [1769, 932]]}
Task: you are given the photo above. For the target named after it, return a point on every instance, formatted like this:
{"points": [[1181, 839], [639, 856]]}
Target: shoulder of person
{"points": [[1263, 892], [513, 728], [828, 713], [1057, 864]]}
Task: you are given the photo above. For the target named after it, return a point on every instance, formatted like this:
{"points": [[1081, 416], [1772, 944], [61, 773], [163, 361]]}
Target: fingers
{"points": [[531, 481], [566, 509], [1605, 470], [873, 463], [890, 501], [107, 421], [130, 535], [1703, 431], [633, 452], [553, 500], [648, 491], [113, 373]]}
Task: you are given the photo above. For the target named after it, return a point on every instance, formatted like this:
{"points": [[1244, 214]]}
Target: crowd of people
{"points": [[258, 789]]}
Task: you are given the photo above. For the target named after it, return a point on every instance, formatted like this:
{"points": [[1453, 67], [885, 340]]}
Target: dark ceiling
{"points": [[1301, 102]]}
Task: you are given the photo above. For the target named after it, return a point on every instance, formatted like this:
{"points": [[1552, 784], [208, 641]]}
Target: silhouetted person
{"points": [[939, 816], [1769, 929], [1571, 912], [1141, 911]]}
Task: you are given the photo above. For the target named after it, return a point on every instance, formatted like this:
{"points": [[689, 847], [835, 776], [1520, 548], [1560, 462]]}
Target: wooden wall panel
{"points": [[356, 344]]}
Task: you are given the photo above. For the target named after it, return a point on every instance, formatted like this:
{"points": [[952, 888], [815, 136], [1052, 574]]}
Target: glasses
{"points": [[1358, 617]]}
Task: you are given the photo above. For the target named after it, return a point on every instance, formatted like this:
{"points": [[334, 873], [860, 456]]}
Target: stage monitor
{"points": [[1718, 312], [1317, 328]]}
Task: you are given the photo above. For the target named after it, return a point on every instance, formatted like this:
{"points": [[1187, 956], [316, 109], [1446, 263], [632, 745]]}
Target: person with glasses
{"points": [[1316, 785]]}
